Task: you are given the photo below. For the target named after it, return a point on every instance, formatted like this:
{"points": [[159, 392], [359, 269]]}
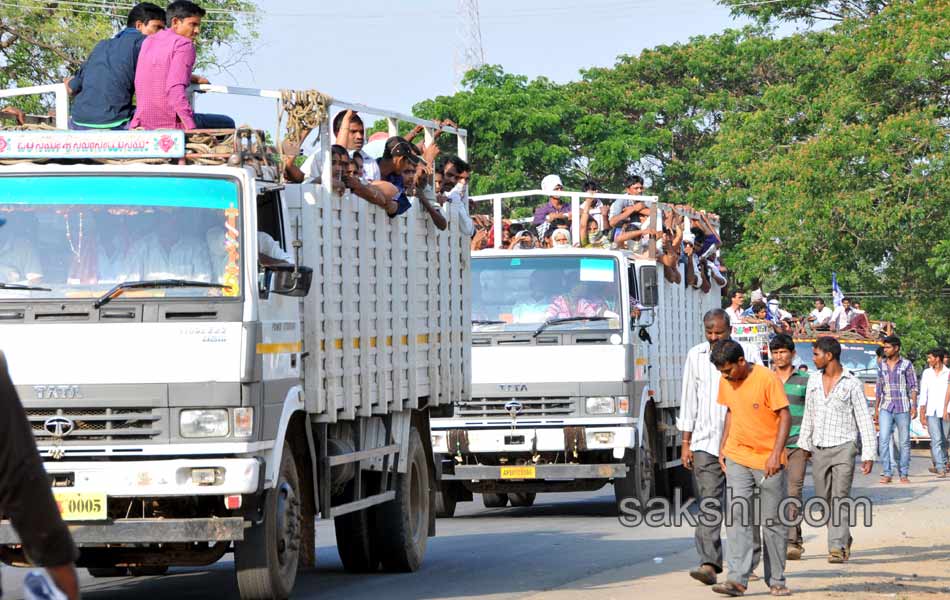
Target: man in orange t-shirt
{"points": [[752, 454]]}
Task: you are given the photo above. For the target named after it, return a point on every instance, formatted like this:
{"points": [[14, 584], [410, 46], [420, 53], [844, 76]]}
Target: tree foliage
{"points": [[43, 42], [823, 151]]}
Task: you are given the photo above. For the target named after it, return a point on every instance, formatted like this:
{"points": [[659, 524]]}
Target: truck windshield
{"points": [[521, 293], [80, 236], [860, 359]]}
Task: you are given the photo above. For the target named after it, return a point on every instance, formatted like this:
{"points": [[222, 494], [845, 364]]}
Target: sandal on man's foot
{"points": [[704, 574], [836, 557], [885, 478], [780, 590], [905, 479], [729, 588], [794, 552]]}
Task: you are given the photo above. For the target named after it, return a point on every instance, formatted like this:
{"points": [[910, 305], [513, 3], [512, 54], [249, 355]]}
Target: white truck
{"points": [[570, 403], [191, 398]]}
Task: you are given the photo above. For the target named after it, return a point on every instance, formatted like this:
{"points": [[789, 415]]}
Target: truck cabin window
{"points": [[519, 294], [80, 236]]}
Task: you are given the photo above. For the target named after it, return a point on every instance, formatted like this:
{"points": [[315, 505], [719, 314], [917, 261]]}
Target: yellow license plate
{"points": [[518, 473], [81, 506]]}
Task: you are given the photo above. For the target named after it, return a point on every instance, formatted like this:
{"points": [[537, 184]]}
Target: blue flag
{"points": [[836, 294]]}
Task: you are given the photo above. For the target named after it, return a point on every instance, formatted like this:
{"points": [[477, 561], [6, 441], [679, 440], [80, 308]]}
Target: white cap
{"points": [[689, 237], [757, 295], [550, 182]]}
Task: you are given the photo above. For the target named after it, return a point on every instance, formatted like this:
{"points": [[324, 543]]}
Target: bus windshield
{"points": [[860, 359], [77, 237], [521, 293]]}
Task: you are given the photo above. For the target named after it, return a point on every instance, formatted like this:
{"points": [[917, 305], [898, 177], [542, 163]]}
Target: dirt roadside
{"points": [[905, 555]]}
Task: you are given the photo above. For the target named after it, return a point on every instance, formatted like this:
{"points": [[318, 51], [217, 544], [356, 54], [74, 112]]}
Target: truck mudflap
{"points": [[146, 531], [536, 472]]}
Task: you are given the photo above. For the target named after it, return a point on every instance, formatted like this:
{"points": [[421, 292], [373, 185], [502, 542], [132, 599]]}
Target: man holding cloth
{"points": [[752, 454], [835, 411]]}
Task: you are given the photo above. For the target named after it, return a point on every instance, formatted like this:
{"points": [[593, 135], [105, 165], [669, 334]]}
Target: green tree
{"points": [[810, 11], [43, 42]]}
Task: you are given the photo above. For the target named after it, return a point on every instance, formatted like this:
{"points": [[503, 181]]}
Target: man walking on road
{"points": [[934, 382], [895, 407], [782, 348], [25, 496], [836, 411], [701, 420], [752, 454]]}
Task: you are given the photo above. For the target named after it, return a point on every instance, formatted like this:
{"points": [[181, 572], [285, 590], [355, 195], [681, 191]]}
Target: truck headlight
{"points": [[204, 423], [600, 405]]}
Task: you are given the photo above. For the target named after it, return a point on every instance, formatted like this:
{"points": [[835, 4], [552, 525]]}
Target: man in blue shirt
{"points": [[104, 86]]}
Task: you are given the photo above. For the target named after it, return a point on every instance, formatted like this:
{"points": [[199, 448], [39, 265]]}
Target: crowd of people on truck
{"points": [[754, 432]]}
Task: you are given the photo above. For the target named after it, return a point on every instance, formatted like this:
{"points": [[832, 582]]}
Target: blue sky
{"points": [[353, 53]]}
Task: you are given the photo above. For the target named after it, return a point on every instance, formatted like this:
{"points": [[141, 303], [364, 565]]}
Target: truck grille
{"points": [[97, 424], [530, 407]]}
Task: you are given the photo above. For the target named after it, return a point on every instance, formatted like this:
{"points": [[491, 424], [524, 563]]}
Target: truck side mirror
{"points": [[290, 280], [646, 319]]}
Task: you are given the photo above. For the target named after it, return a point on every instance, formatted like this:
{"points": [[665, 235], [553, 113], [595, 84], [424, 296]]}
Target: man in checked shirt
{"points": [[895, 397], [836, 411]]}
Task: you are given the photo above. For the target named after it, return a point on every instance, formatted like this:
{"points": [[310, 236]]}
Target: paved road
{"points": [[498, 553]]}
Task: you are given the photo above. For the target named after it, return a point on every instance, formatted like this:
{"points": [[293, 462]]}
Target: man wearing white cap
{"points": [[553, 209]]}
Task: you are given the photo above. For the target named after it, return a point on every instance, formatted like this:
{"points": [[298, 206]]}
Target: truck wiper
{"points": [[20, 286], [550, 322], [119, 289], [486, 322]]}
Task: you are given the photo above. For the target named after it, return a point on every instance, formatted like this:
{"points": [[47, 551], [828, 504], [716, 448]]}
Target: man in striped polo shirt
{"points": [[782, 348]]}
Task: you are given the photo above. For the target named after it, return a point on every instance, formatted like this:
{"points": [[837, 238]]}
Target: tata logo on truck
{"points": [[57, 392], [512, 387]]}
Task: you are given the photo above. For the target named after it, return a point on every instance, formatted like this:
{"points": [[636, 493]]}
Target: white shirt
{"points": [[838, 418], [19, 261], [186, 259], [933, 390], [456, 208], [312, 167], [735, 316], [268, 246], [841, 318], [700, 411], [822, 317]]}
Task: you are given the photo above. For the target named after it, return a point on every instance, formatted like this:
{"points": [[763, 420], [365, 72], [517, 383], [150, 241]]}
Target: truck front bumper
{"points": [[157, 478], [562, 472], [146, 531], [528, 439]]}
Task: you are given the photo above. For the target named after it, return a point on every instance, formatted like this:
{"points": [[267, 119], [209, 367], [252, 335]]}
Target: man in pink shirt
{"points": [[164, 71]]}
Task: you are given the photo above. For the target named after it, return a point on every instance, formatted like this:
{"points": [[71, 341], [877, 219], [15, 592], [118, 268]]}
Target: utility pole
{"points": [[468, 53]]}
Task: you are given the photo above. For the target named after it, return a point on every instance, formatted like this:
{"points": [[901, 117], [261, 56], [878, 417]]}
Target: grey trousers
{"points": [[796, 480], [747, 486], [832, 470], [711, 483]]}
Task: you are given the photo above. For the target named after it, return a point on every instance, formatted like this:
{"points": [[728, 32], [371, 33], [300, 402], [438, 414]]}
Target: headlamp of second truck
{"points": [[606, 405], [216, 422]]}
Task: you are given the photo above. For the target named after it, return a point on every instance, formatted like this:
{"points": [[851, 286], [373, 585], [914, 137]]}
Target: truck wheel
{"points": [[638, 484], [266, 561], [108, 571], [445, 502], [522, 499], [402, 524], [155, 571], [495, 500], [355, 543]]}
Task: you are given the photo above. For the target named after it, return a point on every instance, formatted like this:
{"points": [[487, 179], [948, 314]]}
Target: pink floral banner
{"points": [[92, 144]]}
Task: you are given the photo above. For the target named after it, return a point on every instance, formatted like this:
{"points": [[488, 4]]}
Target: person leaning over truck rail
{"points": [[351, 134], [752, 454], [701, 419], [836, 411], [25, 496], [553, 210], [454, 202], [103, 87], [625, 209], [164, 70]]}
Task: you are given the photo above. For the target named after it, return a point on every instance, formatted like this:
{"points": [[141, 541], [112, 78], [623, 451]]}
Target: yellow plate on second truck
{"points": [[518, 473], [81, 506]]}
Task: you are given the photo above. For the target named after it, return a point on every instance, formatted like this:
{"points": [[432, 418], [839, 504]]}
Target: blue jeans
{"points": [[206, 121], [938, 441], [889, 421]]}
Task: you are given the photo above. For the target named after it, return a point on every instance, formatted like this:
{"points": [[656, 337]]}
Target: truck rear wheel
{"points": [[402, 524], [266, 561], [495, 500], [522, 499], [355, 542]]}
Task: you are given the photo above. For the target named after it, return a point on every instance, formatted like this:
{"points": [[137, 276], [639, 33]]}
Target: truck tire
{"points": [[445, 502], [402, 524], [98, 572], [495, 500], [522, 499], [266, 561], [355, 542], [638, 484]]}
